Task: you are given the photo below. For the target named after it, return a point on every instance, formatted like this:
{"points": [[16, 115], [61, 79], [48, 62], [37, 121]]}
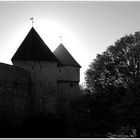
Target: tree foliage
{"points": [[118, 66], [114, 77]]}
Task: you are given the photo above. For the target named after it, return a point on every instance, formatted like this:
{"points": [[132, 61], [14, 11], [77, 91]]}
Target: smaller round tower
{"points": [[68, 76]]}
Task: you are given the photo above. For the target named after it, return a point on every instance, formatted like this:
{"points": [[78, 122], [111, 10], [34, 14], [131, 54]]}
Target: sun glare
{"points": [[53, 33], [50, 31]]}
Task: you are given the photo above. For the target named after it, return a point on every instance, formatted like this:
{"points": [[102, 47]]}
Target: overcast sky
{"points": [[87, 28]]}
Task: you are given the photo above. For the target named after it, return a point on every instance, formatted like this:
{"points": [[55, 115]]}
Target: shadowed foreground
{"points": [[37, 126]]}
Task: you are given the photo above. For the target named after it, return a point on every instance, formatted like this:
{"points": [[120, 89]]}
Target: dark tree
{"points": [[117, 66], [115, 77]]}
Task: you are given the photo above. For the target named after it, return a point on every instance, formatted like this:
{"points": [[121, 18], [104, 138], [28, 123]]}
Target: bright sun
{"points": [[50, 31]]}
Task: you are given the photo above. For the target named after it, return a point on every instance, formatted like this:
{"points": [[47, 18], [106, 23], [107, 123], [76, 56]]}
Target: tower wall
{"points": [[44, 83], [68, 73], [14, 93], [67, 86], [67, 92]]}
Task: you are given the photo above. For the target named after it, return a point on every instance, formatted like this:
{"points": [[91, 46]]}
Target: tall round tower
{"points": [[34, 56]]}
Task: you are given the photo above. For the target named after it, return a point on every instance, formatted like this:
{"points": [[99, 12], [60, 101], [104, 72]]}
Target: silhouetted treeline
{"points": [[114, 80]]}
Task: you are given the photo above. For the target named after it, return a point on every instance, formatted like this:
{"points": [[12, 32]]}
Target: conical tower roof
{"points": [[33, 48], [65, 57]]}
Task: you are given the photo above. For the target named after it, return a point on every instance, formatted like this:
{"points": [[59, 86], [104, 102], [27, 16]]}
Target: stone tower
{"points": [[34, 56], [68, 76]]}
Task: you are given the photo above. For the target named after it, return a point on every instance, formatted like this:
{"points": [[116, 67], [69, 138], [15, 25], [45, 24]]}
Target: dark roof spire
{"points": [[33, 48], [65, 57]]}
